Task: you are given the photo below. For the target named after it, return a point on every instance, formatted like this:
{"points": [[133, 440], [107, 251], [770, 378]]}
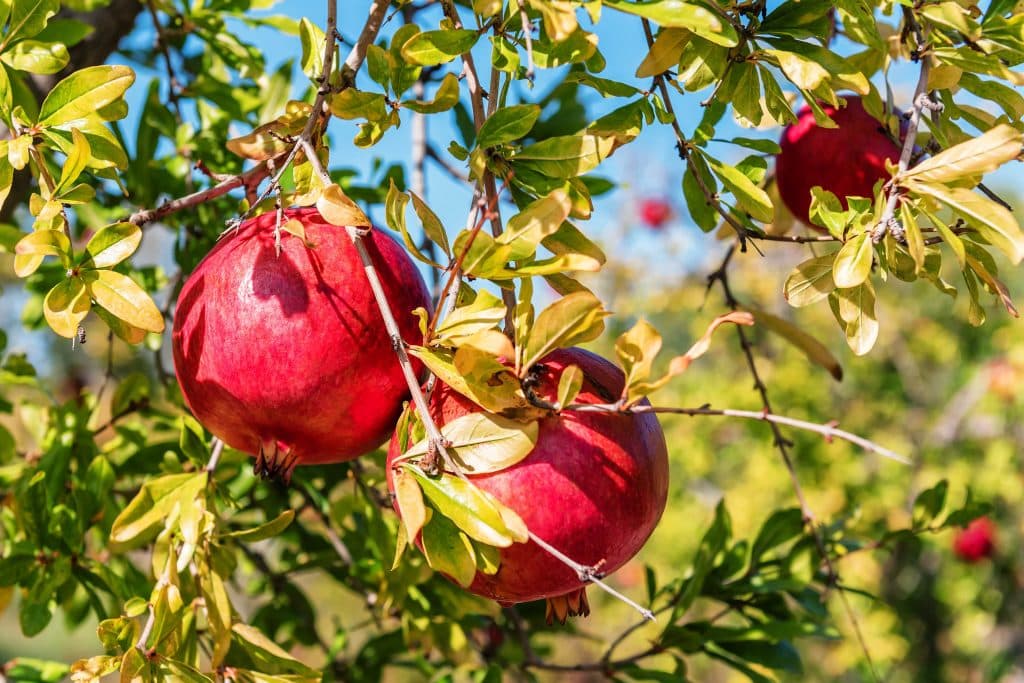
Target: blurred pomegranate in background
{"points": [[977, 541], [655, 212]]}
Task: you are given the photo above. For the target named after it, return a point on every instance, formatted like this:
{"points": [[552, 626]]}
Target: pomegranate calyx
{"points": [[275, 462], [561, 607]]}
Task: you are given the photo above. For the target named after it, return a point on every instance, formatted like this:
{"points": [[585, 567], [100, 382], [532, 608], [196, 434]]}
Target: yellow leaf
{"points": [[124, 299], [975, 157], [337, 209], [664, 53], [65, 306]]}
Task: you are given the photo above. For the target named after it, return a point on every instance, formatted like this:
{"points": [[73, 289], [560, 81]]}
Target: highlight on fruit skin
{"points": [[846, 161], [594, 487], [285, 355]]}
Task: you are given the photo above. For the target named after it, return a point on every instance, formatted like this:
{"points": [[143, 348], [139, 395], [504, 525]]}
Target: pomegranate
{"points": [[847, 161], [977, 541], [655, 212], [593, 487], [285, 356]]}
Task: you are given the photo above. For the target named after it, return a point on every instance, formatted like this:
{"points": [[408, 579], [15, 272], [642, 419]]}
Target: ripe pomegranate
{"points": [[847, 161], [977, 541], [655, 212], [593, 487], [285, 355]]}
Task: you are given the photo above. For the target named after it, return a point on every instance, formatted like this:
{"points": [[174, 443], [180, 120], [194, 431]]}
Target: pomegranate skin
{"points": [[289, 352], [594, 486], [847, 161], [976, 542]]}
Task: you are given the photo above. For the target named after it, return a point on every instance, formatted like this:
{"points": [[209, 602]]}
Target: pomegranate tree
{"points": [[283, 354], [846, 161], [594, 486]]}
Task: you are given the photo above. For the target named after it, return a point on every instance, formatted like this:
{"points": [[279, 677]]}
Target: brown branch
{"points": [[254, 176]]}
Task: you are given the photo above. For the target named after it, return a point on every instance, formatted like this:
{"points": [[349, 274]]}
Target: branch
{"points": [[922, 101], [251, 178]]}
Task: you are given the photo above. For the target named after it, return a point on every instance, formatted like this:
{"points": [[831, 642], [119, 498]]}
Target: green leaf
{"points": [[183, 672], [444, 99], [352, 104], [815, 351], [432, 226], [36, 57], [929, 504], [143, 517], [570, 383], [538, 220], [484, 312], [483, 443], [449, 550], [264, 531], [124, 299], [571, 320], [65, 306], [781, 527], [394, 214], [811, 281], [853, 262], [507, 124], [680, 14], [84, 92], [438, 47], [567, 156], [268, 655], [77, 160], [749, 196], [312, 40], [473, 510], [28, 18], [111, 245]]}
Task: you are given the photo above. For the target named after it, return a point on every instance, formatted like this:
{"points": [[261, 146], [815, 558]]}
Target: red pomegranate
{"points": [[286, 355], [593, 487], [977, 541], [847, 161], [655, 212]]}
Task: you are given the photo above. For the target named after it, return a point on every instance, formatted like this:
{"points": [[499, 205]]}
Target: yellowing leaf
{"points": [[33, 247], [571, 320], [337, 209], [992, 220], [112, 244], [812, 348], [483, 313], [857, 310], [124, 299], [409, 497], [974, 157], [853, 262], [83, 93], [569, 385], [65, 306], [483, 443], [810, 281], [471, 509], [540, 218], [664, 53]]}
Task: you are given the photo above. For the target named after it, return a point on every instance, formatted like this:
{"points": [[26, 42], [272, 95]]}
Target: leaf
{"points": [[679, 14], [143, 517], [124, 299], [409, 497], [636, 350], [570, 383], [994, 284], [265, 530], [853, 262], [483, 443], [749, 196], [485, 312], [507, 124], [432, 226], [312, 39], [83, 93], [28, 18], [449, 550], [352, 104], [857, 309], [36, 57], [445, 98], [111, 245], [992, 220], [268, 655], [76, 162], [815, 351], [781, 527], [337, 209], [664, 53], [804, 73], [65, 306], [567, 156], [438, 47], [473, 510], [33, 247], [538, 220], [394, 213], [571, 320], [975, 157], [811, 281]]}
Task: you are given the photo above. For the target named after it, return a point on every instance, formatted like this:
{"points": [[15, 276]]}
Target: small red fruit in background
{"points": [[977, 541], [655, 212], [594, 487], [286, 355], [847, 161], [1004, 378]]}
